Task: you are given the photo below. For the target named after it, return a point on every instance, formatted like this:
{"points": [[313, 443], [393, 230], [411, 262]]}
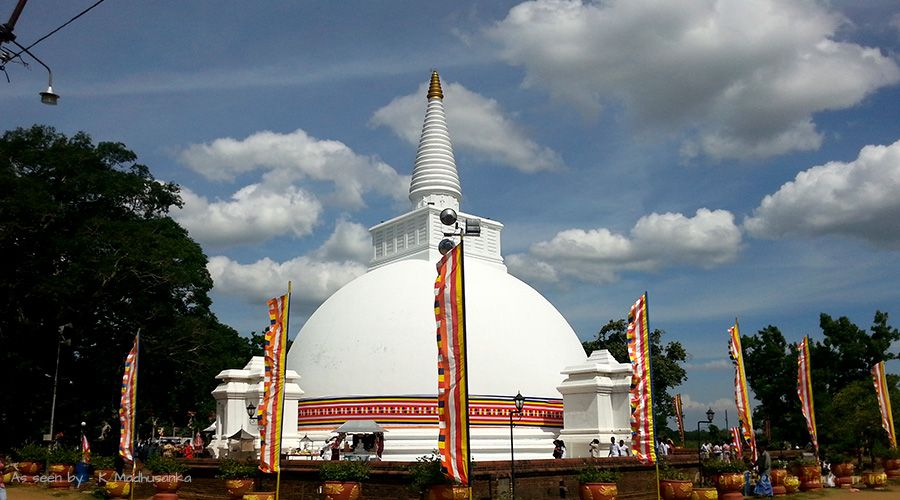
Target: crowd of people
{"points": [[367, 445]]}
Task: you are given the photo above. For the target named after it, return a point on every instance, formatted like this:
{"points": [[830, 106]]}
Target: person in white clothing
{"points": [[613, 447]]}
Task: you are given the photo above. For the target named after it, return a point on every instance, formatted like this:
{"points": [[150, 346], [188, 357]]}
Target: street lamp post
{"points": [[520, 402], [59, 342], [710, 414]]}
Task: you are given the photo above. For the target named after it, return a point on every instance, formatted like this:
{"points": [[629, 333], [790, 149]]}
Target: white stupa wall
{"points": [[595, 403], [241, 387]]}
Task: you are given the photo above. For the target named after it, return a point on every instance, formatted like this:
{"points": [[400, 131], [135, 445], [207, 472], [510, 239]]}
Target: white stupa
{"points": [[369, 351]]}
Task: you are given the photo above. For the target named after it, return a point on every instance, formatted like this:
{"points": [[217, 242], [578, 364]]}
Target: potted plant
{"points": [[842, 467], [62, 464], [779, 472], [791, 484], [117, 489], [239, 476], [166, 473], [31, 457], [104, 468], [597, 484], [704, 490], [890, 460], [674, 484], [728, 478], [809, 473], [343, 478], [426, 478]]}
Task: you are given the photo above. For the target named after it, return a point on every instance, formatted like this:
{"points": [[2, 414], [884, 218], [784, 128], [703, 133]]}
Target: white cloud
{"points": [[857, 199], [475, 122], [317, 275], [287, 158], [707, 239], [252, 215], [716, 364], [720, 405], [739, 79]]}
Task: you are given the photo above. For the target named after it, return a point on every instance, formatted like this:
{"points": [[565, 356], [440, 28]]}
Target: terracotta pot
{"points": [[704, 494], [238, 487], [166, 483], [874, 479], [674, 489], [336, 490], [891, 467], [118, 489], [730, 485], [447, 492], [777, 478], [105, 475], [61, 469], [810, 477], [260, 495], [792, 484], [30, 468], [597, 491], [843, 474]]}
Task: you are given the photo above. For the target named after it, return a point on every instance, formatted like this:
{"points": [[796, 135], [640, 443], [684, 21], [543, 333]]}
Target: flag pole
{"points": [[283, 379], [462, 272], [652, 395], [137, 357]]}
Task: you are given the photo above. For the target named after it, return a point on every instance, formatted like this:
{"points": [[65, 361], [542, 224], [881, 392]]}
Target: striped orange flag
{"points": [[453, 389], [804, 391], [741, 397], [272, 407], [642, 429], [128, 403], [884, 401]]}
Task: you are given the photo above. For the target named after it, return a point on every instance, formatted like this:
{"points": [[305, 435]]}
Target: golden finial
{"points": [[434, 89]]}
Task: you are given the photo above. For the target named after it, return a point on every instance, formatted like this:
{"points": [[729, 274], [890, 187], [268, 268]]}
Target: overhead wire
{"points": [[41, 39]]}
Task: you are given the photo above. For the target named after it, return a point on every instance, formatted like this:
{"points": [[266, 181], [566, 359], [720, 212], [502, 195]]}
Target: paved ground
{"points": [[40, 493]]}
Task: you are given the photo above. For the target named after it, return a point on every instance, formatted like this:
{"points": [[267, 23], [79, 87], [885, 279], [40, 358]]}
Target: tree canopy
{"points": [[841, 379], [92, 257], [667, 361]]}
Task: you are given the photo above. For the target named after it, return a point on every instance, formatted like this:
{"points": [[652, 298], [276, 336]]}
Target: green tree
{"points": [[667, 361], [854, 419], [92, 256], [770, 364]]}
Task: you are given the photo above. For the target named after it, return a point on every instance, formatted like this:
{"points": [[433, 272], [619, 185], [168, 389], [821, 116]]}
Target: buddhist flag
{"points": [[884, 401], [128, 403], [453, 390], [642, 439], [272, 406], [85, 449], [741, 397], [679, 417], [737, 441], [804, 391]]}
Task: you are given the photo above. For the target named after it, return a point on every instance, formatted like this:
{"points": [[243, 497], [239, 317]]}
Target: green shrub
{"points": [[64, 456], [30, 452], [591, 474], [103, 462], [233, 469], [779, 464], [669, 473], [712, 467], [164, 465], [347, 471], [803, 462], [890, 453], [426, 472]]}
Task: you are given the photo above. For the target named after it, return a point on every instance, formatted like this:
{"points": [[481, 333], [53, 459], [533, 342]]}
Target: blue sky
{"points": [[732, 158]]}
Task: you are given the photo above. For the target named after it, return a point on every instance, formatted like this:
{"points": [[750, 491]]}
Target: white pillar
{"points": [[595, 403]]}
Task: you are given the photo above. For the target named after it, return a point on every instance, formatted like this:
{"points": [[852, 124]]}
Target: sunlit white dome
{"points": [[369, 351]]}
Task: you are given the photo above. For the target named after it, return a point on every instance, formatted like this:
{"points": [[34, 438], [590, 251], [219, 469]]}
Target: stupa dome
{"points": [[369, 351]]}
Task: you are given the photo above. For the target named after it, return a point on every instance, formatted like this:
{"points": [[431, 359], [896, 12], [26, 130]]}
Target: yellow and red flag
{"points": [[85, 449], [741, 397], [272, 407], [737, 441], [453, 390], [642, 430], [679, 417], [128, 403], [884, 401], [804, 391]]}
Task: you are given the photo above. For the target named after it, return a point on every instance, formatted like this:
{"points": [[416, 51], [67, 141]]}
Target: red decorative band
{"points": [[422, 410]]}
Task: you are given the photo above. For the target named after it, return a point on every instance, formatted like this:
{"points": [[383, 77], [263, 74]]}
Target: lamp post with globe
{"points": [[519, 400], [710, 414]]}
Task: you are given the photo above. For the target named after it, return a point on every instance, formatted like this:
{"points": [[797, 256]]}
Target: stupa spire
{"points": [[435, 180]]}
